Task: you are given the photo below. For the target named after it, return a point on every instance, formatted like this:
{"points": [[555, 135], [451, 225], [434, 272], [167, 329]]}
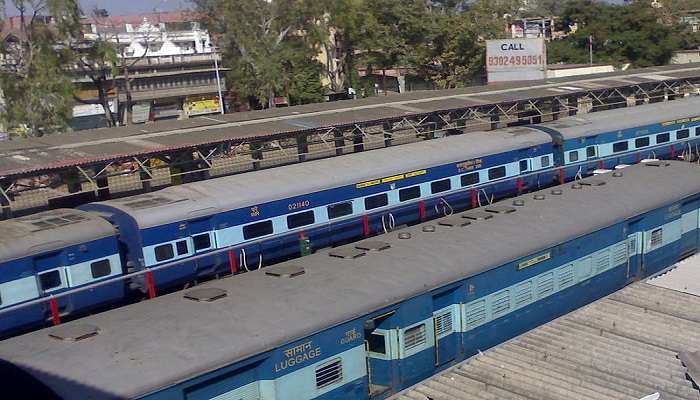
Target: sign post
{"points": [[516, 59]]}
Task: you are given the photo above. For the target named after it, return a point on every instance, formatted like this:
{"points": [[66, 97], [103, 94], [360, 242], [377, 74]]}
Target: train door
{"points": [[382, 351], [689, 228], [635, 251], [446, 321], [203, 240]]}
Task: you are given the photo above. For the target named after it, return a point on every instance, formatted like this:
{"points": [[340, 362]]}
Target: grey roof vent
{"points": [[404, 235], [657, 163], [519, 202], [617, 174], [592, 182], [429, 228], [347, 252], [376, 245], [477, 215], [285, 271], [557, 192], [500, 209], [577, 186], [205, 294], [454, 221], [74, 333], [539, 197]]}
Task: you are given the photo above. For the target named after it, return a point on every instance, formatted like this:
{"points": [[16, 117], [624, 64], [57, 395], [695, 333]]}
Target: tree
{"points": [[38, 92], [97, 59], [621, 34], [258, 38]]}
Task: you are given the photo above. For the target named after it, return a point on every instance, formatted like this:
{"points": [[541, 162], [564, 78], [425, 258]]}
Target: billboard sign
{"points": [[516, 59]]}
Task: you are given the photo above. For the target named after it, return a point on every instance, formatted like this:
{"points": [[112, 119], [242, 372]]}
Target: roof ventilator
{"points": [[539, 197], [454, 221], [557, 192], [617, 174], [592, 182], [477, 215], [206, 295], [500, 209], [429, 228], [74, 333], [372, 245], [347, 253], [404, 235], [519, 202], [577, 186], [285, 271]]}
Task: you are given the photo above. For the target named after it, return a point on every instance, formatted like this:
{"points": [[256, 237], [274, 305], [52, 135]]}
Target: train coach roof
{"points": [[244, 190], [146, 346], [48, 231], [623, 118]]}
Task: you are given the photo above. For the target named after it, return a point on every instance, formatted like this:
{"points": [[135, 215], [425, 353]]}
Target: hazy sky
{"points": [[126, 7]]}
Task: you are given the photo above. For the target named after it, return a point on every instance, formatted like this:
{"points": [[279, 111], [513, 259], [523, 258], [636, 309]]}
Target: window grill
{"points": [[443, 323], [414, 337], [657, 237]]}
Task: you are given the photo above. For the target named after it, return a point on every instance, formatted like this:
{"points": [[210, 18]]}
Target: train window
{"points": [[469, 179], [663, 138], [497, 172], [201, 242], [258, 229], [182, 247], [100, 268], [573, 156], [329, 373], [300, 219], [409, 193], [544, 161], [414, 337], [697, 131], [683, 134], [641, 142], [620, 146], [440, 186], [523, 165], [339, 210], [376, 343], [657, 238], [377, 201], [590, 151], [50, 280], [164, 252]]}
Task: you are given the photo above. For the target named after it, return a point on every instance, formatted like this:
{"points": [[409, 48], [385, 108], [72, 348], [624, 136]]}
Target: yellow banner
{"points": [[389, 179]]}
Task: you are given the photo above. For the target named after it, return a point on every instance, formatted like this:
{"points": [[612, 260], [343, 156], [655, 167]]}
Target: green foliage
{"points": [[621, 34]]}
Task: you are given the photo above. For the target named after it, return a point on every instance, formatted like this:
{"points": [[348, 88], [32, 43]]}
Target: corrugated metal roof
{"points": [[625, 346], [87, 147]]}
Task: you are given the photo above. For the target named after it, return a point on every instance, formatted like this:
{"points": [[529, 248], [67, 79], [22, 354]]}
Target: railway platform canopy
{"points": [[642, 342], [67, 169]]}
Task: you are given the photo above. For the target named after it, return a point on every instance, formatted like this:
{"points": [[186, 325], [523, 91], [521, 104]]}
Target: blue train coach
{"points": [[365, 320], [50, 252]]}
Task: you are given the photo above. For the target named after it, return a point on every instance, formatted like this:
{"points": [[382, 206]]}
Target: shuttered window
{"points": [[443, 323], [329, 374], [657, 238], [683, 134], [414, 337]]}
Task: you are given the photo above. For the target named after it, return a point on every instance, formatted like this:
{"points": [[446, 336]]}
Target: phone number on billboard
{"points": [[515, 60]]}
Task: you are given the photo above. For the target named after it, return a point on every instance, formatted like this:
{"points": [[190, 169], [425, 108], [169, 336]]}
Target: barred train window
{"points": [[497, 172], [620, 146], [414, 337], [544, 161], [682, 134], [201, 242], [657, 237], [663, 138], [573, 156], [523, 165], [377, 201], [641, 142], [590, 151], [182, 247], [329, 374]]}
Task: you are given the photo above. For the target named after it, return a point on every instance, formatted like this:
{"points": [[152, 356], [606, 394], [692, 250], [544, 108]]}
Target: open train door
{"points": [[382, 350], [635, 251]]}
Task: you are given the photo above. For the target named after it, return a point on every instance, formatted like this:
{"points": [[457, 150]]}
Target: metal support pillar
{"points": [[257, 154], [72, 180], [495, 118], [5, 198], [357, 141], [102, 183], [145, 175], [302, 147], [572, 103], [386, 127], [339, 140], [555, 109]]}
